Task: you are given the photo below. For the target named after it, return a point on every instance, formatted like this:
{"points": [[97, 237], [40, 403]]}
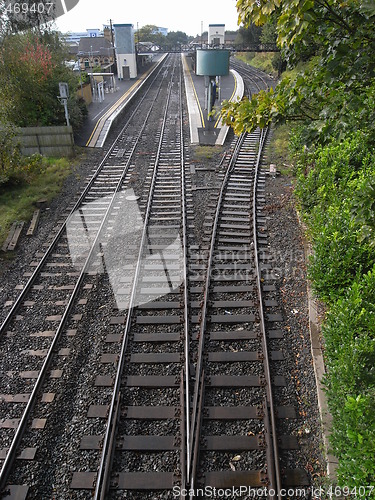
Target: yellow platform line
{"points": [[106, 115], [113, 108]]}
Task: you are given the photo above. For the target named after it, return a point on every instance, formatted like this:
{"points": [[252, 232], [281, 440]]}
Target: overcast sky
{"points": [[176, 16]]}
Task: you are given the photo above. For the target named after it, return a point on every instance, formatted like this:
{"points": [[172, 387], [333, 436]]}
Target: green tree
{"points": [[176, 39], [16, 17], [150, 33], [338, 40], [33, 65], [249, 35]]}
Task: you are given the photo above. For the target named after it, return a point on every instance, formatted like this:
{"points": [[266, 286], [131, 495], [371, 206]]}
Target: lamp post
{"points": [[79, 69], [63, 98]]}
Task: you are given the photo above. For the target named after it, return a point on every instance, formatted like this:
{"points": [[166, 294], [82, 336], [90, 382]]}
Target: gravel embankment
{"points": [[285, 237]]}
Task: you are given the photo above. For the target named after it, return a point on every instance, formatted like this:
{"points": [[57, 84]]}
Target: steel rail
{"points": [[102, 479], [186, 293], [273, 461], [252, 73], [11, 454], [273, 455], [272, 447], [194, 436], [79, 202]]}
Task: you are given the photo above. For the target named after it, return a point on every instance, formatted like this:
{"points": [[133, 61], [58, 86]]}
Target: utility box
{"points": [[212, 62]]}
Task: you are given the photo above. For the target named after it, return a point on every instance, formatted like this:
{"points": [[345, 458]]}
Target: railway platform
{"points": [[203, 129], [206, 130], [102, 115]]}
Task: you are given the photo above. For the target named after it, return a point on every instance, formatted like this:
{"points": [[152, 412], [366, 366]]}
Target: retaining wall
{"points": [[47, 141]]}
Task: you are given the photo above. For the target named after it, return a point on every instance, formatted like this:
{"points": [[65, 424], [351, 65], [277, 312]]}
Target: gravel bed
{"points": [[289, 268], [12, 270], [288, 263]]}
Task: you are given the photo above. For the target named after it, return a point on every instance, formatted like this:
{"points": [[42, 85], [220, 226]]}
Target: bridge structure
{"points": [[264, 47]]}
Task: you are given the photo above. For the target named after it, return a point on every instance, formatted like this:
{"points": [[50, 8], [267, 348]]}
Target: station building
{"points": [[216, 35], [126, 57], [95, 52]]}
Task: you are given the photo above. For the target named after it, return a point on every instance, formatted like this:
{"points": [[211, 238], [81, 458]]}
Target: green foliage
{"points": [[335, 192], [363, 211], [249, 35], [16, 169], [9, 151], [337, 258], [247, 115], [329, 179], [325, 173], [338, 40], [151, 33], [349, 333], [24, 16], [33, 65], [17, 200], [331, 101], [261, 60], [269, 30], [176, 38]]}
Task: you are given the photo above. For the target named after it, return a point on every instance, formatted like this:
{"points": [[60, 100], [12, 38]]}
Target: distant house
{"points": [[200, 41], [216, 35], [230, 39], [96, 52], [145, 47], [73, 38]]}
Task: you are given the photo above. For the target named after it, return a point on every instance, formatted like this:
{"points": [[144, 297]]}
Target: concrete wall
{"points": [[47, 141]]}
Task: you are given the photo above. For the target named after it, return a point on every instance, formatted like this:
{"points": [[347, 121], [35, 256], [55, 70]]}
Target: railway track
{"points": [[235, 435], [154, 366], [45, 314]]}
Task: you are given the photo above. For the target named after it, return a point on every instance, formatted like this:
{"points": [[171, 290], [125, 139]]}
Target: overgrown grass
{"points": [[202, 153], [278, 149], [260, 60], [18, 202]]}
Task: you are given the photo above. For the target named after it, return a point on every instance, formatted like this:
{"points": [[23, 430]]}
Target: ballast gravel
{"points": [[288, 263]]}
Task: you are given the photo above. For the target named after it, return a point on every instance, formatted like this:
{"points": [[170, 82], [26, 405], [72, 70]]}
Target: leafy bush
{"points": [[22, 172], [349, 334], [15, 168], [325, 174], [34, 63], [363, 210], [337, 257], [335, 189], [9, 151], [329, 181]]}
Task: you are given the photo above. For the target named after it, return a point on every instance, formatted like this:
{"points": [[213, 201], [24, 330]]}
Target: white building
{"points": [[125, 51], [216, 34], [74, 38]]}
